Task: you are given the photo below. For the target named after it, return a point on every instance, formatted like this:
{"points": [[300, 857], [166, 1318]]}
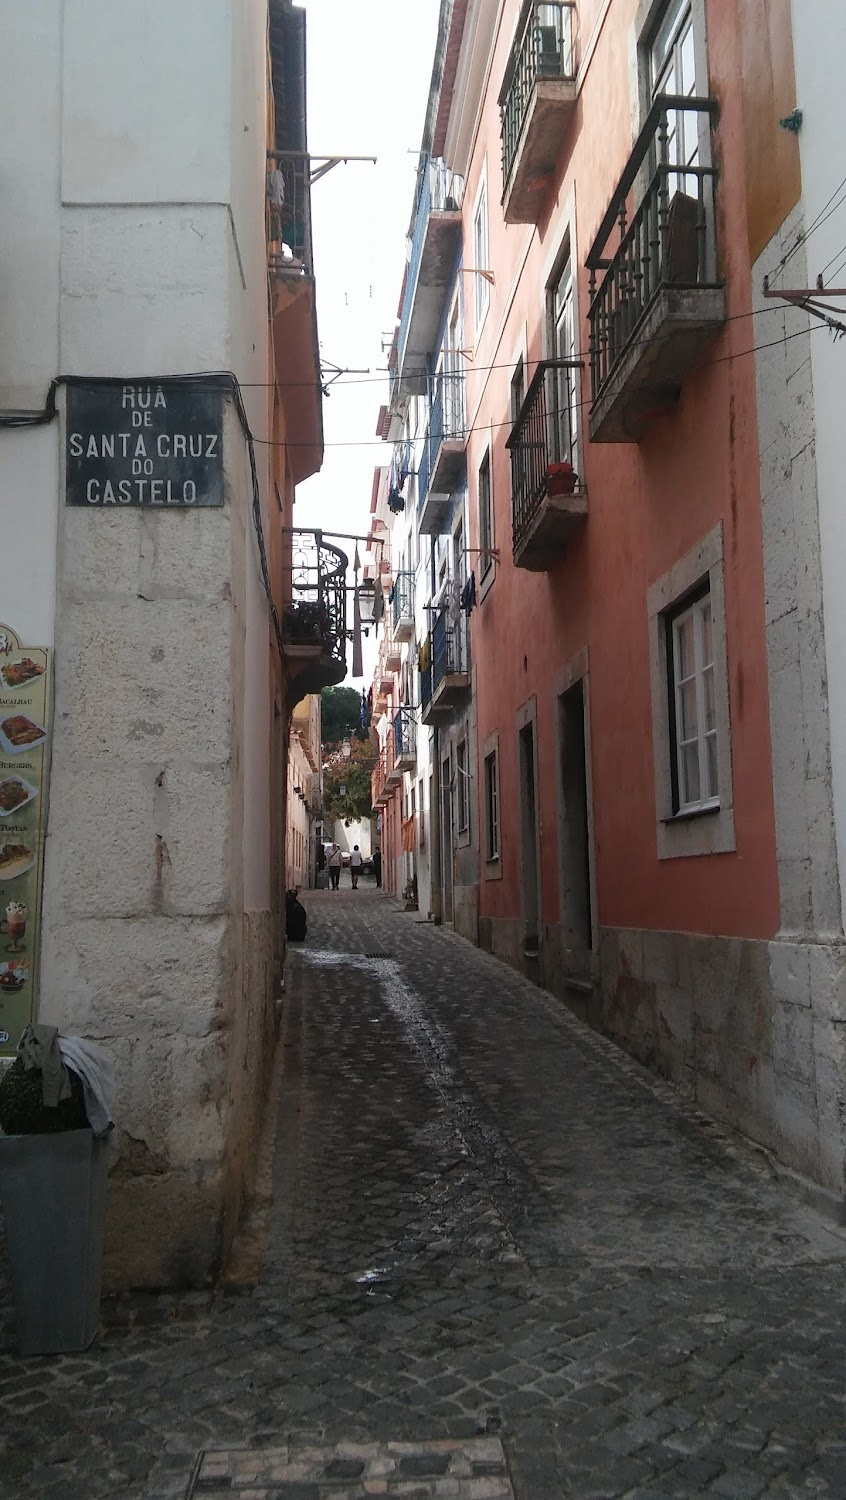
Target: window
{"points": [[485, 517], [691, 727], [672, 70], [690, 654], [491, 806], [562, 344], [518, 390], [480, 256], [462, 788], [421, 827]]}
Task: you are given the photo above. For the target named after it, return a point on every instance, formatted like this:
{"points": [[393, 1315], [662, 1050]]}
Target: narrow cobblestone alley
{"points": [[500, 1260]]}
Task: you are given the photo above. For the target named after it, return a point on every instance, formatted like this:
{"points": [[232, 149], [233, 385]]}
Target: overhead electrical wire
{"points": [[821, 218]]}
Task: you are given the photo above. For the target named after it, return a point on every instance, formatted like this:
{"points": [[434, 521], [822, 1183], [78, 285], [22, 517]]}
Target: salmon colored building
{"points": [[651, 830]]}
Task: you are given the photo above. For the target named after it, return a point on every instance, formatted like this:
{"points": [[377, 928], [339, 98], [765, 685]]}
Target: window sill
{"points": [[690, 814]]}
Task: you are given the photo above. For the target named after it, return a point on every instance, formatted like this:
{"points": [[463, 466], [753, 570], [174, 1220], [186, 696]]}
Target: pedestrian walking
{"points": [[355, 866], [377, 867], [333, 863]]}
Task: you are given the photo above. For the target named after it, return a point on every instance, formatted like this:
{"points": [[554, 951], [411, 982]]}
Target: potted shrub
{"points": [[304, 623], [53, 1192], [560, 479]]}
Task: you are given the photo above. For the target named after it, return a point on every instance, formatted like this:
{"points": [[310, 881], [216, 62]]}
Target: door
{"points": [[529, 840], [446, 842], [577, 916]]}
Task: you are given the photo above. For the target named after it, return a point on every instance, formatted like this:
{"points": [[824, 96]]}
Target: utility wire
{"points": [[211, 379], [821, 218], [576, 405]]}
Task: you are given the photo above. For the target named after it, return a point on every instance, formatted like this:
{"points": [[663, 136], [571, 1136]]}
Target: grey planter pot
{"points": [[53, 1192]]}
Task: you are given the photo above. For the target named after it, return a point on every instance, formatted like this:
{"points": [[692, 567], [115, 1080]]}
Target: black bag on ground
{"points": [[296, 921]]}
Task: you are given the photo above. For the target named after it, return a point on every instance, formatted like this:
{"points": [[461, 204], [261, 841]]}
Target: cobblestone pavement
{"points": [[488, 1226]]}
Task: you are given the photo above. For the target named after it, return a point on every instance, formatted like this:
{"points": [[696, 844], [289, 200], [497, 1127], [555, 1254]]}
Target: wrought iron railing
{"points": [[439, 190], [446, 422], [289, 227], [544, 48], [543, 440], [403, 605], [668, 239], [317, 612], [450, 649], [405, 734]]}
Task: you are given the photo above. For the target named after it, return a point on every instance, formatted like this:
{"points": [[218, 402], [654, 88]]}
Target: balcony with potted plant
{"points": [[548, 497], [313, 623]]}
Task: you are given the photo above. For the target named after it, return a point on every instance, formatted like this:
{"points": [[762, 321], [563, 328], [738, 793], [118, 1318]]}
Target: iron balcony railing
{"points": [[289, 227], [543, 441], [317, 612], [439, 190], [446, 422], [543, 49], [403, 605], [450, 649], [405, 734], [669, 239]]}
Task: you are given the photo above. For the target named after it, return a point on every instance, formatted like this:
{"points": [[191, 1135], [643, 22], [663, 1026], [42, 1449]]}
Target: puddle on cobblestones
{"points": [[469, 1469]]}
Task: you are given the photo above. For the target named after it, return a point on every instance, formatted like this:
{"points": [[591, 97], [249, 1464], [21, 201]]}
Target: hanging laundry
{"points": [[468, 594]]}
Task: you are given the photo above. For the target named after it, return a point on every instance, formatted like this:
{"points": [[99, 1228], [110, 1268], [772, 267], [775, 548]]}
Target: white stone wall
{"points": [[819, 36], [799, 684], [132, 159]]}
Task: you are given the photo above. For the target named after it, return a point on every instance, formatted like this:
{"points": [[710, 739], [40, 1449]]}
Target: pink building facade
{"points": [[650, 829]]}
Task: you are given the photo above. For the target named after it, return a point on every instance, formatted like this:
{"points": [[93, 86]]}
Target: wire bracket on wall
{"points": [[809, 299]]}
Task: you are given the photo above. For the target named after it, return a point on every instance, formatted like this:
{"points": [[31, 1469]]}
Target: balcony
{"points": [[294, 314], [547, 502], [377, 784], [443, 460], [313, 625], [405, 740], [403, 608], [659, 302], [536, 102], [445, 684], [435, 243]]}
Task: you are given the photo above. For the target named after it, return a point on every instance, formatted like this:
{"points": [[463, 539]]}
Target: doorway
{"points": [[446, 841], [574, 835], [529, 838]]}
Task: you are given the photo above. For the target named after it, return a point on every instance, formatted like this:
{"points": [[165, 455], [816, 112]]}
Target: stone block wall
{"points": [[755, 1032], [147, 948]]}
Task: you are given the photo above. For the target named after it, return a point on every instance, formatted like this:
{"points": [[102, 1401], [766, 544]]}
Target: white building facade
{"points": [[133, 249]]}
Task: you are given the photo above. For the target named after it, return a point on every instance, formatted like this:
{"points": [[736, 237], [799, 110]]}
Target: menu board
{"points": [[24, 741]]}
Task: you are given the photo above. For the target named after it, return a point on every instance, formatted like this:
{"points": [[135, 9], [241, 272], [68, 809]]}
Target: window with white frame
{"points": [[485, 517], [672, 70], [491, 806], [480, 257], [691, 722], [561, 320], [690, 656], [462, 788]]}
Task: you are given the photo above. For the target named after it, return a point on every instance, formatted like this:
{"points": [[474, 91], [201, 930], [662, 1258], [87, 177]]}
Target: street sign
{"points": [[156, 444]]}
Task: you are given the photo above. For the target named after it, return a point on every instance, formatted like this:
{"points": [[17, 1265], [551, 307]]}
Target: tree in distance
{"points": [[340, 708]]}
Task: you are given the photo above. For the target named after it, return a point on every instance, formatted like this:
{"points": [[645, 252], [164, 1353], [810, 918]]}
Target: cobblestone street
{"points": [[500, 1259]]}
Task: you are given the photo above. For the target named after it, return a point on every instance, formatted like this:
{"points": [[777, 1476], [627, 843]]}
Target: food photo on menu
{"points": [[19, 733], [15, 793], [16, 674]]}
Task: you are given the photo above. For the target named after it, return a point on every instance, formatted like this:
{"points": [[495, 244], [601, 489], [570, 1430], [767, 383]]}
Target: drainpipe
{"points": [[435, 825]]}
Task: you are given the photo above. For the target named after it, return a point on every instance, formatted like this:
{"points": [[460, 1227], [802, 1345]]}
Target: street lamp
{"points": [[367, 602]]}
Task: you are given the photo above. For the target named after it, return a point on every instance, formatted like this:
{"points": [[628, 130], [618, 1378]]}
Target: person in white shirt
{"points": [[355, 866], [333, 863]]}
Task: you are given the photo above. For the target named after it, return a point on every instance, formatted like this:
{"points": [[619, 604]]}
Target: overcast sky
{"points": [[369, 69]]}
